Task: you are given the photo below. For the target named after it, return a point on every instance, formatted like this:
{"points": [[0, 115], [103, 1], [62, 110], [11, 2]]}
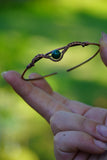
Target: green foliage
{"points": [[31, 27]]}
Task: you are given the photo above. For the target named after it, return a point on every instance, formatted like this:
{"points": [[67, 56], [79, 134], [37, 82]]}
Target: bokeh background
{"points": [[30, 27]]}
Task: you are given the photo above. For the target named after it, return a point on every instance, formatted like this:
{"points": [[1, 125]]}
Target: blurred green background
{"points": [[30, 27]]}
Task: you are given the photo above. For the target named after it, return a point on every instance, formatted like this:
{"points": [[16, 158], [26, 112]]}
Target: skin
{"points": [[79, 130]]}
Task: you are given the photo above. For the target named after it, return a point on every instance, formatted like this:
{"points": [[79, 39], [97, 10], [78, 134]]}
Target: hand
{"points": [[80, 131]]}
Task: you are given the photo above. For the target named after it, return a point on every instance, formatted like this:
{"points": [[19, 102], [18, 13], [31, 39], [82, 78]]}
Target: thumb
{"points": [[103, 48]]}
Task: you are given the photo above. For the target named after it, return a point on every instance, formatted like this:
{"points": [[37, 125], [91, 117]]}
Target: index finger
{"points": [[38, 99]]}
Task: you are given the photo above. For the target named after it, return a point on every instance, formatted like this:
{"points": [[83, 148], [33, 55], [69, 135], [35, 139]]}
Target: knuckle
{"points": [[56, 121], [89, 126], [59, 137]]}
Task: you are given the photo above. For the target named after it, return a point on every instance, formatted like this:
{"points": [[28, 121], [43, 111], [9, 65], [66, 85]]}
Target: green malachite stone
{"points": [[56, 54]]}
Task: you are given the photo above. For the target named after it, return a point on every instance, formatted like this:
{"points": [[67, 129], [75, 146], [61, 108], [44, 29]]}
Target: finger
{"points": [[60, 155], [71, 156], [103, 48], [73, 106], [67, 121], [73, 141], [82, 156], [34, 96], [42, 83], [97, 114], [94, 113]]}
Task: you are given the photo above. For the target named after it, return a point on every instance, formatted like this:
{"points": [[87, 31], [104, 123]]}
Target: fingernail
{"points": [[100, 144], [102, 130], [3, 73]]}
